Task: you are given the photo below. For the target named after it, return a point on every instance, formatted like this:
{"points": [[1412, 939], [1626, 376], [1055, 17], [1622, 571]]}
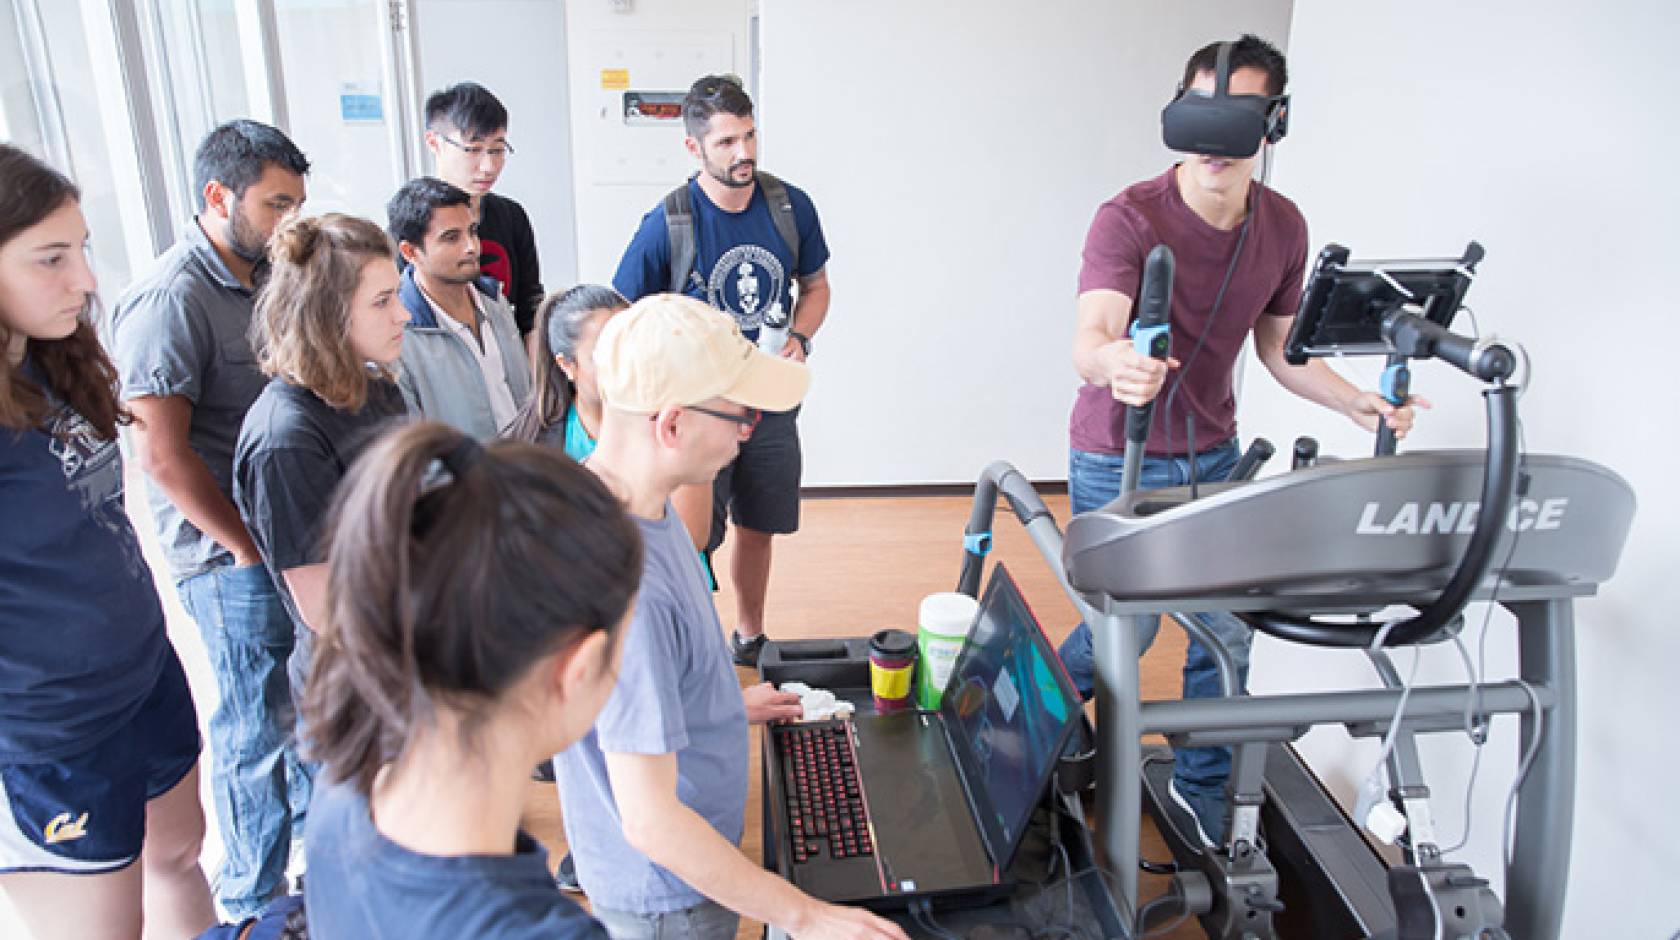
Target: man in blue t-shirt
{"points": [[733, 222]]}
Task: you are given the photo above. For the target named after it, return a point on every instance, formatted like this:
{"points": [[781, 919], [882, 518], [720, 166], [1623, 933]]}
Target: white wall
{"points": [[621, 172], [518, 50], [1537, 129], [957, 151]]}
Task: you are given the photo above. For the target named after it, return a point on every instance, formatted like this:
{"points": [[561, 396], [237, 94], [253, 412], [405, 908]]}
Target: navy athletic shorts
{"points": [[759, 489], [86, 813]]}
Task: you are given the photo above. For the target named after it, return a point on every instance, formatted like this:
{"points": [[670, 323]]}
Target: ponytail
{"points": [[556, 332], [453, 567]]}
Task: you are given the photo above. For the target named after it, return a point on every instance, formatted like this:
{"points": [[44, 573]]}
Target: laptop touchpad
{"points": [[924, 832]]}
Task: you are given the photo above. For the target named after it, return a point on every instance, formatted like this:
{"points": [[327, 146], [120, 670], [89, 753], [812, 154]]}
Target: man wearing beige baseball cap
{"points": [[655, 797]]}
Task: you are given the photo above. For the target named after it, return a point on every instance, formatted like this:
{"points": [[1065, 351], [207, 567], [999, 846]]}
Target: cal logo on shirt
{"points": [[63, 828]]}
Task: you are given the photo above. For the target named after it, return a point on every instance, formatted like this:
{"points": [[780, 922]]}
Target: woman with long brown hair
{"points": [[476, 598], [98, 736]]}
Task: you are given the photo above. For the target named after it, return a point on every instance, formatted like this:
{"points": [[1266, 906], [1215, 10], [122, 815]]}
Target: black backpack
{"points": [[679, 227]]}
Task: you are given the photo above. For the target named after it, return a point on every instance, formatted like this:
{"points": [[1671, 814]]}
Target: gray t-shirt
{"points": [[182, 329], [676, 693]]}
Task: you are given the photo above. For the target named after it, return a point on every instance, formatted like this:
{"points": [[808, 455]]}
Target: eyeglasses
{"points": [[748, 420], [475, 151]]}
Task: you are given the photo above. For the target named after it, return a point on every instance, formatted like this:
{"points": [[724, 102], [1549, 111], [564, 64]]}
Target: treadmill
{"points": [[1328, 551]]}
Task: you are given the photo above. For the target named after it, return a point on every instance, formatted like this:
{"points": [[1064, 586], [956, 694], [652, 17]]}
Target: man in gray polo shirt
{"points": [[188, 375]]}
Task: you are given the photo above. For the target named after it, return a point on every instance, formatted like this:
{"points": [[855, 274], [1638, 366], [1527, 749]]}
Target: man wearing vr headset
{"points": [[1240, 250]]}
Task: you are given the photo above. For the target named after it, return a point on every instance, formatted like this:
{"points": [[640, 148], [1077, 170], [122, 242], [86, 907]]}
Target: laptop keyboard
{"points": [[825, 808]]}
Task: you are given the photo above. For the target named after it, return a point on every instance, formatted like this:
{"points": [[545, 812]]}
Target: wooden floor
{"points": [[858, 565], [861, 564]]}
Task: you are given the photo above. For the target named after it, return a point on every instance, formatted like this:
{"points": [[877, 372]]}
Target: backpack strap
{"points": [[679, 227], [781, 213], [679, 230]]}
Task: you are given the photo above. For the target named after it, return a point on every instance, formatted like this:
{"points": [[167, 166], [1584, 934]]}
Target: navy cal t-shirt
{"points": [[741, 264], [81, 632]]}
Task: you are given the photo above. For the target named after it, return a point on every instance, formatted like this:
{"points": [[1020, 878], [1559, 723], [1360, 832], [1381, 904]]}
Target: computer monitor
{"points": [[1010, 707], [1344, 303]]}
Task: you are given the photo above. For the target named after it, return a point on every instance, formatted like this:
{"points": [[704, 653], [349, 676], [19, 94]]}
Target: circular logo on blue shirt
{"points": [[746, 281]]}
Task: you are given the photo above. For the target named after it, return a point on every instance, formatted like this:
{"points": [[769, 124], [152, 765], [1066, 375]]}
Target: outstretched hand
{"points": [[834, 922], [765, 703]]}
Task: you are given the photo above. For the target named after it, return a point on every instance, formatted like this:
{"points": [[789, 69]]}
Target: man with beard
{"points": [[188, 375], [739, 240], [462, 360]]}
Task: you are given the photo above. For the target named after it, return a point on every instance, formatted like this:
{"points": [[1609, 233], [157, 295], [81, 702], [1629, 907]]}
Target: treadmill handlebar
{"points": [[1150, 333], [1023, 500], [1304, 453], [1248, 465], [1499, 484], [1418, 337]]}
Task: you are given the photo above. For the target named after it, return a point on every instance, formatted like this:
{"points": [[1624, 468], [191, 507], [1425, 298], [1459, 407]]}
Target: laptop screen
{"points": [[1009, 708]]}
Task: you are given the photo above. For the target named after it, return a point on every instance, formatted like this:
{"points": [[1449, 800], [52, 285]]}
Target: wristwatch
{"points": [[804, 341]]}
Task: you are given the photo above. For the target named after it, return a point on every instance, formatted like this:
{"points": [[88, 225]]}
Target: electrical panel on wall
{"points": [[632, 134]]}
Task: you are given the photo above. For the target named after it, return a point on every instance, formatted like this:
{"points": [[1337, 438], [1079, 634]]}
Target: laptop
{"points": [[883, 810]]}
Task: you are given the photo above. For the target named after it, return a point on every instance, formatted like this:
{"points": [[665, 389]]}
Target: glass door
{"points": [[347, 92], [335, 75]]}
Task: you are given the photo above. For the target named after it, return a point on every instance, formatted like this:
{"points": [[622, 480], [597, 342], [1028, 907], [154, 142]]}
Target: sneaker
{"points": [[544, 772], [745, 650], [566, 875], [1183, 803]]}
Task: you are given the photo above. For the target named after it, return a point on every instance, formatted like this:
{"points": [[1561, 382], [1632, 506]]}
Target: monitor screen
{"points": [[1344, 302], [1009, 708]]}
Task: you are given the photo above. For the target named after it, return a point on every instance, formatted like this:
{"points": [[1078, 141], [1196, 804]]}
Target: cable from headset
{"points": [[1478, 733], [1213, 315], [1478, 730], [1523, 768]]}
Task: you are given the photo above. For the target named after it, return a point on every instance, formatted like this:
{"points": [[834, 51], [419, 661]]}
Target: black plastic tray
{"points": [[1042, 901]]}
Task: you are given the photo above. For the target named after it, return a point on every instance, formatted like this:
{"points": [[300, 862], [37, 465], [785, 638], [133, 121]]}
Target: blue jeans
{"points": [[260, 788], [704, 921], [1093, 481]]}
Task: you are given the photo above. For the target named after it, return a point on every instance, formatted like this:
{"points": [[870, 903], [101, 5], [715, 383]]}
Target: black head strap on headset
{"points": [[1223, 124]]}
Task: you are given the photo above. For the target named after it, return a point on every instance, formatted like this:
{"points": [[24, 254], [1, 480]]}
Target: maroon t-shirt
{"points": [[1267, 281]]}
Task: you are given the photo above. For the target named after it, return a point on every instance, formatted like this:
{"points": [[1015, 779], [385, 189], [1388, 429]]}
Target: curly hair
{"points": [[301, 330]]}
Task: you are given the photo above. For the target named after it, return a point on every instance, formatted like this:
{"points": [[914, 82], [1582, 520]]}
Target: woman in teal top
{"points": [[564, 409], [565, 406]]}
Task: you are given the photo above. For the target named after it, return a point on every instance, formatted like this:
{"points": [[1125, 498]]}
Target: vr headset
{"points": [[1223, 124]]}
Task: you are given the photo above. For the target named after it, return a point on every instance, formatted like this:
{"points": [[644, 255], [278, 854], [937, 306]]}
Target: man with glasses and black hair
{"points": [[1240, 248], [466, 131], [188, 375], [740, 240]]}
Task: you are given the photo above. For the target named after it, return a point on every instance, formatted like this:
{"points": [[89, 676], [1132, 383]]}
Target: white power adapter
{"points": [[1375, 812]]}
